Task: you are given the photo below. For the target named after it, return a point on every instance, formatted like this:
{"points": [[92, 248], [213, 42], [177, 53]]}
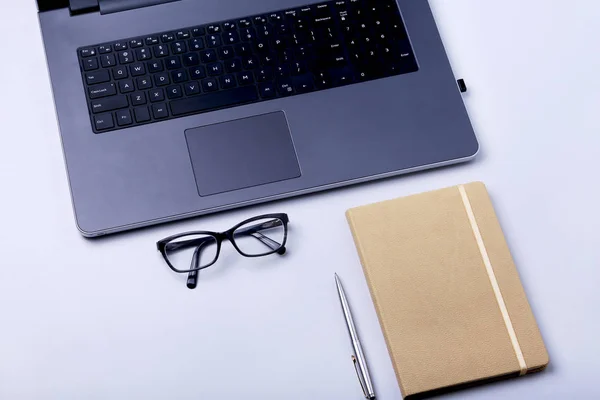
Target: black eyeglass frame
{"points": [[220, 237]]}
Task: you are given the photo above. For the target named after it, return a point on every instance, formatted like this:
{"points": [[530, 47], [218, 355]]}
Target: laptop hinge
{"points": [[78, 7], [83, 6], [113, 6], [48, 5]]}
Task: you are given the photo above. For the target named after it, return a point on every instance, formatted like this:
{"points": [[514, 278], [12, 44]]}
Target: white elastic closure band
{"points": [[493, 281]]}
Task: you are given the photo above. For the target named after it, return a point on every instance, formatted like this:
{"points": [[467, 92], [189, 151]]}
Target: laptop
{"points": [[173, 109]]}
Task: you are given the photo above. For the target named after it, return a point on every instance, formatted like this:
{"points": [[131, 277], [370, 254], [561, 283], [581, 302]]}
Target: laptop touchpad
{"points": [[242, 153]]}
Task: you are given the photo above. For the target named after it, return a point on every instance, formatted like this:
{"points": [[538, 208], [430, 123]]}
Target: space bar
{"points": [[225, 98]]}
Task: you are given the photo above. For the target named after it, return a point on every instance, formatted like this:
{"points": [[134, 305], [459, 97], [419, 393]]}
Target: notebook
{"points": [[447, 293]]}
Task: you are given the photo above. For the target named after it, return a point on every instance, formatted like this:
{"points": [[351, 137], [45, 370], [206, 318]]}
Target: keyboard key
{"points": [[103, 121], [285, 56], [213, 40], [282, 70], [101, 76], [138, 99], [167, 37], [267, 90], [123, 117], [197, 72], [126, 86], [136, 43], [102, 90], [231, 37], [299, 68], [144, 83], [137, 69], [174, 92], [161, 50], [214, 101], [259, 20], [179, 76], [304, 83], [215, 69], [210, 85], [160, 111], [107, 48], [161, 79], [196, 44], [245, 78], [267, 59], [363, 74], [155, 66], [322, 10], [143, 54], [226, 52], [87, 53], [250, 62], [119, 46], [341, 76], [109, 104], [125, 57], [90, 64], [191, 88], [208, 56], [229, 26], [178, 47], [265, 74], [304, 52], [282, 28], [323, 80], [120, 73], [285, 86], [156, 95], [227, 81], [191, 59], [262, 47], [108, 60], [280, 44], [172, 62], [182, 35], [141, 114], [248, 34], [234, 65], [198, 31], [213, 29], [244, 23], [152, 40], [243, 49], [264, 33]]}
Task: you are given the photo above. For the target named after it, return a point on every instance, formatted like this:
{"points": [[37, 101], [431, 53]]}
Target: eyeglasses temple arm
{"points": [[192, 280], [254, 232]]}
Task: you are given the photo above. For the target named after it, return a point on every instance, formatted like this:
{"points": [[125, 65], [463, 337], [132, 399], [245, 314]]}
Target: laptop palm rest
{"points": [[242, 153]]}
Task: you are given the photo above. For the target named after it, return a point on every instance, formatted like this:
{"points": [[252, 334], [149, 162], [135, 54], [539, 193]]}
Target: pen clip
{"points": [[360, 378]]}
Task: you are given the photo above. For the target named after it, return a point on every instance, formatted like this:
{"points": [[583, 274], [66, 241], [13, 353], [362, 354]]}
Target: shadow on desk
{"points": [[533, 374]]}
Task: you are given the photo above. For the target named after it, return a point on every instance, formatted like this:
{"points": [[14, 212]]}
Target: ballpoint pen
{"points": [[358, 358]]}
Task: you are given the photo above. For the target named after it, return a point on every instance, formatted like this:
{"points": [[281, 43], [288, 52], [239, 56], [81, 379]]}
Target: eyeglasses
{"points": [[193, 251]]}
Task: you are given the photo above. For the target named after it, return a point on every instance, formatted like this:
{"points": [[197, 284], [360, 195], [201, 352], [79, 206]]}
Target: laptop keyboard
{"points": [[199, 69]]}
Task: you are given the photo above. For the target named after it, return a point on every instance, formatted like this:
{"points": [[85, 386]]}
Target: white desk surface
{"points": [[106, 319]]}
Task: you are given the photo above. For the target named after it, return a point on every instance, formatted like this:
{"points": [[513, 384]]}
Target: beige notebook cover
{"points": [[447, 293]]}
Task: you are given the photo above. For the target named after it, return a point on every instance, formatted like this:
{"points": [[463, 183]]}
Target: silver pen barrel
{"points": [[360, 361]]}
